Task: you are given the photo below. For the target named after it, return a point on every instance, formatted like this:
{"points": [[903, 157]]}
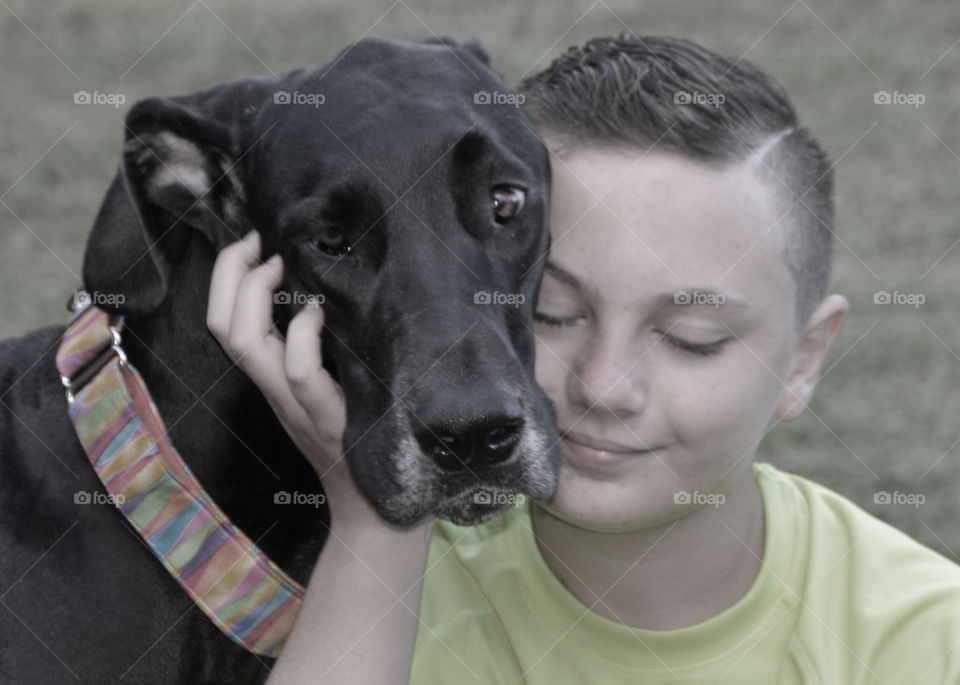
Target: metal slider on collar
{"points": [[76, 382]]}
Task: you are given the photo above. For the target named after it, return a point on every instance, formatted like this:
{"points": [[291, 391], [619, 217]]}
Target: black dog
{"points": [[392, 184]]}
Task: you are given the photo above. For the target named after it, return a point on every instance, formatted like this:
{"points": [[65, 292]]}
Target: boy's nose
{"points": [[610, 378]]}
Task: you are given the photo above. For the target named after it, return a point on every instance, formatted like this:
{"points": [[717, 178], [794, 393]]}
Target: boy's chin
{"points": [[593, 506], [641, 500], [592, 524]]}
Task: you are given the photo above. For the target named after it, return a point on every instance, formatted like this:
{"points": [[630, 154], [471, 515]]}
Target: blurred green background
{"points": [[885, 417]]}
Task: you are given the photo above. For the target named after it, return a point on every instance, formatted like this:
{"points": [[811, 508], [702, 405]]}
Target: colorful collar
{"points": [[235, 584]]}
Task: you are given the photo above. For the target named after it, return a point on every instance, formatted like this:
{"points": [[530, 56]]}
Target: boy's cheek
{"points": [[550, 374], [718, 423]]}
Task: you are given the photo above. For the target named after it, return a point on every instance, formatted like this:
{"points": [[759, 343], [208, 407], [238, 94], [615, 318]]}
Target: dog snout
{"points": [[463, 431], [481, 443]]}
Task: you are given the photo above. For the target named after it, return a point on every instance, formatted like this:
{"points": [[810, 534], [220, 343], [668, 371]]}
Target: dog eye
{"points": [[506, 202], [333, 242]]}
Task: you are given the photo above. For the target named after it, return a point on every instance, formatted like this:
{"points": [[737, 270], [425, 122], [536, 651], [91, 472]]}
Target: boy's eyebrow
{"points": [[562, 274], [704, 297], [675, 298]]}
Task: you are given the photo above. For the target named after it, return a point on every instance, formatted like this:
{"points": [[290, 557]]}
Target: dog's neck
{"points": [[221, 424]]}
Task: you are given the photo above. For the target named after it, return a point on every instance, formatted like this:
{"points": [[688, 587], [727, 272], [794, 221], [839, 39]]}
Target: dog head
{"points": [[406, 191]]}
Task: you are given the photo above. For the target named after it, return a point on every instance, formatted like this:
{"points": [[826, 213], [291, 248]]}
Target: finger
{"points": [[253, 343], [232, 264], [262, 361], [310, 383], [252, 318]]}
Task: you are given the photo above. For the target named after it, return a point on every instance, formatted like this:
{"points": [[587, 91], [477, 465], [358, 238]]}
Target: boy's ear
{"points": [[824, 326]]}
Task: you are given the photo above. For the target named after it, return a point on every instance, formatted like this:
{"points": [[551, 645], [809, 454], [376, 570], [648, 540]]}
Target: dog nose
{"points": [[456, 443]]}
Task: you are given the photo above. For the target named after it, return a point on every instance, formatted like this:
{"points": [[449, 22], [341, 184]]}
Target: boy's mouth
{"points": [[590, 452]]}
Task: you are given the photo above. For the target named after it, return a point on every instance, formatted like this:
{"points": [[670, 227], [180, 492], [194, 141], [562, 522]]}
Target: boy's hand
{"points": [[306, 400]]}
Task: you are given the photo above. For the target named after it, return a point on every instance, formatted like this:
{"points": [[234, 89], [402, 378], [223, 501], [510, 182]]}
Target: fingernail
{"points": [[275, 259], [251, 235]]}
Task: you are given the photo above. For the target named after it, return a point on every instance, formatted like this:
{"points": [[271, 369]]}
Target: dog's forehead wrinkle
{"points": [[487, 145], [330, 188]]}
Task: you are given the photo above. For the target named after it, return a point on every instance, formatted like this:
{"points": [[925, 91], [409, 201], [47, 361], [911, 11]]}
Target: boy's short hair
{"points": [[677, 96]]}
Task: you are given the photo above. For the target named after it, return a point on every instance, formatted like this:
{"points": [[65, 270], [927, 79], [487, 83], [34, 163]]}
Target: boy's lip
{"points": [[592, 453], [602, 445]]}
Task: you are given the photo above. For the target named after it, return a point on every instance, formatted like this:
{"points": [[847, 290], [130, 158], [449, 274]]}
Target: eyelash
{"points": [[551, 320], [701, 350], [706, 350]]}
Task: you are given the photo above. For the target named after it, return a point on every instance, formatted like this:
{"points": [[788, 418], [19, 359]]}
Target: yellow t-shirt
{"points": [[841, 599]]}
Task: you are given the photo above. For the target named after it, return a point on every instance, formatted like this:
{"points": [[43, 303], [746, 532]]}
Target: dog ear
{"points": [[177, 175]]}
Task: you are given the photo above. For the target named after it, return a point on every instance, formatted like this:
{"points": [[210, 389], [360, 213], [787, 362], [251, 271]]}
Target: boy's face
{"points": [[676, 338]]}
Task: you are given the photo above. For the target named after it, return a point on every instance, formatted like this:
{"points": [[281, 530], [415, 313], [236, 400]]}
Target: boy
{"points": [[683, 305]]}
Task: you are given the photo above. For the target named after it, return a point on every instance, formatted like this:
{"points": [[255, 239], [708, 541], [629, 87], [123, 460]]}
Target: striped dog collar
{"points": [[233, 582]]}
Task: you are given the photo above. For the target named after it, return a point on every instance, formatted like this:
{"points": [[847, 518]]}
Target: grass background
{"points": [[885, 416]]}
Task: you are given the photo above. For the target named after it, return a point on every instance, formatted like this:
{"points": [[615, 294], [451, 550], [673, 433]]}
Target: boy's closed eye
{"points": [[697, 321], [677, 342], [700, 349], [554, 320]]}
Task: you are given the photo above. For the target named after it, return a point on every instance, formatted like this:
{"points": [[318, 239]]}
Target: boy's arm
{"points": [[358, 620]]}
